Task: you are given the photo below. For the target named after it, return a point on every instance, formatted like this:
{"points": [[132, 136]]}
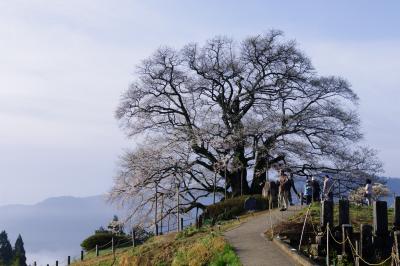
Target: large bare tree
{"points": [[234, 110]]}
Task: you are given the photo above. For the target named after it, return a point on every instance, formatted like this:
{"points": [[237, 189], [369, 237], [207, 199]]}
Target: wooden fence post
{"points": [[162, 214], [197, 216], [69, 260], [396, 222], [357, 260], [112, 245], [56, 262], [381, 233], [182, 223], [133, 237], [380, 218], [301, 198], [344, 214], [81, 255], [97, 250], [397, 244], [327, 244], [347, 231], [365, 240], [177, 206], [327, 213]]}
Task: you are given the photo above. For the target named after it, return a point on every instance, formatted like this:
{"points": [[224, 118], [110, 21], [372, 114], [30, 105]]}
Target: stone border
{"points": [[298, 258]]}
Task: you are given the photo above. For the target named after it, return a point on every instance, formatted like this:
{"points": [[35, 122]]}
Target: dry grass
{"points": [[190, 247], [200, 252]]}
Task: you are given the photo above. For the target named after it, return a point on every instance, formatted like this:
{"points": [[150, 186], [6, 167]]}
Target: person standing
{"points": [[278, 192], [328, 186], [308, 192], [368, 192], [316, 189], [284, 188], [292, 186]]}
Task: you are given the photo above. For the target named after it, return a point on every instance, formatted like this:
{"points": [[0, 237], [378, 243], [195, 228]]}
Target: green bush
{"points": [[230, 208], [226, 257], [187, 232], [103, 240]]}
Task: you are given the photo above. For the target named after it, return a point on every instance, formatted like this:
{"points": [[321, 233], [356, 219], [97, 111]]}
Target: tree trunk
{"points": [[259, 175], [258, 183], [239, 183]]}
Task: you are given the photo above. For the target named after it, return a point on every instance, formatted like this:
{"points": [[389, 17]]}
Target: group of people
{"points": [[280, 190], [311, 191]]}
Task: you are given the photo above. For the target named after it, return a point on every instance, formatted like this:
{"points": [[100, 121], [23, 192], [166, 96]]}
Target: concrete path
{"points": [[253, 249]]}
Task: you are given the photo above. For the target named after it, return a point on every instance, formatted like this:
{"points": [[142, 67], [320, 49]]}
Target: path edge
{"points": [[300, 259]]}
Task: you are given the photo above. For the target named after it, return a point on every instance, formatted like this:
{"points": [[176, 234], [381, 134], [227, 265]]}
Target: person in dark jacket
{"points": [[316, 189], [284, 189], [308, 190], [292, 186]]}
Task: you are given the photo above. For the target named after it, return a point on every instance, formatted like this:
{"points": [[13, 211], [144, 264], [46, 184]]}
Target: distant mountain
{"points": [[55, 227], [393, 183]]}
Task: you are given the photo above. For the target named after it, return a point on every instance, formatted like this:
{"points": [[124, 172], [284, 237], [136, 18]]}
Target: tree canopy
{"points": [[10, 256], [19, 252], [216, 117], [6, 252]]}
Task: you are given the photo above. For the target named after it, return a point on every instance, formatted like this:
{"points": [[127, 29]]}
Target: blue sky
{"points": [[64, 65]]}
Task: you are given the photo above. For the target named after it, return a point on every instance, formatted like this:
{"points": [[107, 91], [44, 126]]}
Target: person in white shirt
{"points": [[328, 194], [368, 192]]}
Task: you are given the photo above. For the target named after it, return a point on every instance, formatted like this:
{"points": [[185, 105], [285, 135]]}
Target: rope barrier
{"points": [[315, 231], [355, 252], [363, 260], [334, 239], [304, 226], [102, 246]]}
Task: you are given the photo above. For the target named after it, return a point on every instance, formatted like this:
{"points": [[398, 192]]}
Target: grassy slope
{"points": [[190, 247], [291, 228], [358, 215]]}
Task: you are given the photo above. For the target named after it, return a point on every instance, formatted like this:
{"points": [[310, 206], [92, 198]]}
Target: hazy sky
{"points": [[64, 64]]}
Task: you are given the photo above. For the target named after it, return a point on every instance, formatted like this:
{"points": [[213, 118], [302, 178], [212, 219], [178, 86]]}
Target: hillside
{"points": [[205, 246], [43, 225]]}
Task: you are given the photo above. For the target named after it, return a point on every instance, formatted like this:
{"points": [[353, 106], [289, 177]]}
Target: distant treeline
{"points": [[10, 256]]}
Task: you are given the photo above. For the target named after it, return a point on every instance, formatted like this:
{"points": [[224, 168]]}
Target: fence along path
{"points": [[112, 246], [252, 247]]}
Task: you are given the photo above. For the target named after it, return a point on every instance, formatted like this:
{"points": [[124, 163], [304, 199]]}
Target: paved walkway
{"points": [[253, 249]]}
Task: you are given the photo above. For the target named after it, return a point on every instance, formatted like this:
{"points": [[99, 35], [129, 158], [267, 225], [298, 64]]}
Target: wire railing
{"points": [[393, 258], [111, 247]]}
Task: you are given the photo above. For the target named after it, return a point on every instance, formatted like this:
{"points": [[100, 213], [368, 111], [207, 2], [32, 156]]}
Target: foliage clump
{"points": [[9, 255], [231, 208], [103, 241]]}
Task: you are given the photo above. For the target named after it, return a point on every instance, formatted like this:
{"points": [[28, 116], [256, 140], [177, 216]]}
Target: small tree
{"points": [[19, 253], [101, 230], [141, 235], [378, 191], [116, 226], [6, 252]]}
